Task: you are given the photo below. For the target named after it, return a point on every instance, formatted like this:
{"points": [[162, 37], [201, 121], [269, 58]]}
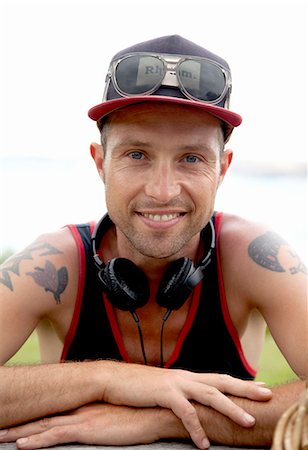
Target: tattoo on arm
{"points": [[300, 267], [264, 251], [51, 279]]}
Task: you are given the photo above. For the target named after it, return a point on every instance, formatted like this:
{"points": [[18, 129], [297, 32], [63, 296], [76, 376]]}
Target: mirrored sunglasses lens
{"points": [[139, 74], [201, 79]]}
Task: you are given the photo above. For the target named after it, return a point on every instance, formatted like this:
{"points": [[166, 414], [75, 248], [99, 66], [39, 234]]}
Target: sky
{"points": [[54, 56]]}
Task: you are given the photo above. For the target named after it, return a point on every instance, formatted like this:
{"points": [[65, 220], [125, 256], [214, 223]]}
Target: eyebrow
{"points": [[198, 147], [138, 143], [130, 143], [135, 143]]}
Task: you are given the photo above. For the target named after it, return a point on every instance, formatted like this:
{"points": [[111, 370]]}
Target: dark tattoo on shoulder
{"points": [[12, 265], [51, 279], [300, 266], [264, 251]]}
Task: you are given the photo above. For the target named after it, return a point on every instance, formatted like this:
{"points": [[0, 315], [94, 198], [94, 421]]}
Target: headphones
{"points": [[127, 287]]}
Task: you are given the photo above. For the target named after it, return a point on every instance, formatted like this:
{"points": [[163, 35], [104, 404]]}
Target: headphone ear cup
{"points": [[126, 286], [173, 290]]}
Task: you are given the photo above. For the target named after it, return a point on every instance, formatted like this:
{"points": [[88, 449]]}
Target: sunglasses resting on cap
{"points": [[169, 69]]}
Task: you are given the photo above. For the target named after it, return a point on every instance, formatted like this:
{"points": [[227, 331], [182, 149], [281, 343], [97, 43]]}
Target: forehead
{"points": [[162, 125], [160, 115]]}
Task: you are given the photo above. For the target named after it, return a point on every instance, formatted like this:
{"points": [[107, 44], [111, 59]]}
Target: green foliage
{"points": [[28, 353], [5, 254], [274, 369]]}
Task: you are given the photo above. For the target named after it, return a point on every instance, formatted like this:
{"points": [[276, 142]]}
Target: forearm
{"points": [[105, 424], [222, 430], [29, 392]]}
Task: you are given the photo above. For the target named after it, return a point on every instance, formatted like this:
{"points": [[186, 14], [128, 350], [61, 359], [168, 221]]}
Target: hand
{"points": [[93, 424], [144, 386]]}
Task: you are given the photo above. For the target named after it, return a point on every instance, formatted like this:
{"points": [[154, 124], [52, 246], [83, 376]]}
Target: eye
{"points": [[136, 155], [191, 159]]}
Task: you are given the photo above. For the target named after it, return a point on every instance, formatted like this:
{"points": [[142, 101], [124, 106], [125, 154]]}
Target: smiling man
{"points": [[160, 309]]}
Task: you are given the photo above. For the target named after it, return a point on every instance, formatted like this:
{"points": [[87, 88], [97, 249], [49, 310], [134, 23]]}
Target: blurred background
{"points": [[54, 56]]}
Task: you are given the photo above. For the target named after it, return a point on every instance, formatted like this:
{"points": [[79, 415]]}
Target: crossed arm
{"points": [[148, 404]]}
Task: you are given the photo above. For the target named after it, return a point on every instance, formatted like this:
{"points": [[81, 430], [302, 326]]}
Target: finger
{"points": [[238, 387], [186, 412], [37, 427], [56, 435], [212, 397]]}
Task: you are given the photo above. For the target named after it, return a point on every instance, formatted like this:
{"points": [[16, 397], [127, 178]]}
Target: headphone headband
{"points": [[100, 229]]}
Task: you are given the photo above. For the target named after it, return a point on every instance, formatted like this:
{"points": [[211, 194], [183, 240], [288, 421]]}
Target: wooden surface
{"points": [[155, 446]]}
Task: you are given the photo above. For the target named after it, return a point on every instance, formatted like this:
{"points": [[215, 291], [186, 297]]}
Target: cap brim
{"points": [[97, 112]]}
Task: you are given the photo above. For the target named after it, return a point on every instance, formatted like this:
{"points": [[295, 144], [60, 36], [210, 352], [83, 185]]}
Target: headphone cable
{"points": [[162, 337], [136, 319]]}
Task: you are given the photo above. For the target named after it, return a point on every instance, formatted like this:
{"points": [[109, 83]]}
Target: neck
{"points": [[154, 267]]}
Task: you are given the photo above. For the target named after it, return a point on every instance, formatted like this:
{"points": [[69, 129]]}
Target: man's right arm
{"points": [[30, 392], [39, 282]]}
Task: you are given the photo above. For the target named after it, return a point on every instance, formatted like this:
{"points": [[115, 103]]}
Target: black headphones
{"points": [[126, 285]]}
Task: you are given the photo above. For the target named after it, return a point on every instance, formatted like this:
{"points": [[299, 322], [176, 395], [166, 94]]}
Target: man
{"points": [[179, 292]]}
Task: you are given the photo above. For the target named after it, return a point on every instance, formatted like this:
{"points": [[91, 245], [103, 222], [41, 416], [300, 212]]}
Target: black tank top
{"points": [[208, 341]]}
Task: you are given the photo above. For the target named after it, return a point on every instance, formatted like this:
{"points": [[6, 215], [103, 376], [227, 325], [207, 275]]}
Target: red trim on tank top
{"points": [[81, 281], [187, 326], [185, 330], [115, 329], [223, 300]]}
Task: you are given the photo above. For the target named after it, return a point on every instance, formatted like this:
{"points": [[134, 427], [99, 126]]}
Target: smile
{"points": [[161, 217]]}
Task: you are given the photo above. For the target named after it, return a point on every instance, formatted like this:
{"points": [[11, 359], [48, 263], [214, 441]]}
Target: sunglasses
{"points": [[199, 79]]}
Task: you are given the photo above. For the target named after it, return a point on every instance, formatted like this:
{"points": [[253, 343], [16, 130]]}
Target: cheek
{"points": [[203, 189], [209, 178], [119, 188]]}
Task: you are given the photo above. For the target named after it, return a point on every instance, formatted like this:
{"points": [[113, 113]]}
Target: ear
{"points": [[97, 154], [225, 162]]}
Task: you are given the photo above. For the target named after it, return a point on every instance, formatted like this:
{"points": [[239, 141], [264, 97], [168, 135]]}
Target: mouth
{"points": [[161, 217], [161, 220]]}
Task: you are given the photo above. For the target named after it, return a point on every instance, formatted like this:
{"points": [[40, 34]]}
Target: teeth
{"points": [[161, 217]]}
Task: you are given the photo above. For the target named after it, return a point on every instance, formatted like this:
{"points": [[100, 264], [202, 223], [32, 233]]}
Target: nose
{"points": [[163, 183]]}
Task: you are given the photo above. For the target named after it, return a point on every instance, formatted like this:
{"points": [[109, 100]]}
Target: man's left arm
{"points": [[262, 272], [223, 431], [279, 292]]}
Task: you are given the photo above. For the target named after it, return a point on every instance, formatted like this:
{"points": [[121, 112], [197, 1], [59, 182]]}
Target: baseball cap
{"points": [[202, 66]]}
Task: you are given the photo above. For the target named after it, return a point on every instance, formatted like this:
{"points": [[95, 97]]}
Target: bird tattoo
{"points": [[51, 279]]}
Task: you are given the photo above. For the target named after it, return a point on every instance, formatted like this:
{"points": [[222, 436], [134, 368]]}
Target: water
{"points": [[279, 201], [40, 195]]}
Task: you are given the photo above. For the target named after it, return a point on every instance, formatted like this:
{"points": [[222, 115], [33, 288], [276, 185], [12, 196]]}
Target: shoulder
{"points": [[239, 226], [251, 251], [257, 244], [48, 268], [39, 282], [238, 234], [59, 247], [256, 259]]}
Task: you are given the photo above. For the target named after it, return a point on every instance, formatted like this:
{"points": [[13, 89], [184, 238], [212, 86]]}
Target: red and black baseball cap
{"points": [[169, 69]]}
